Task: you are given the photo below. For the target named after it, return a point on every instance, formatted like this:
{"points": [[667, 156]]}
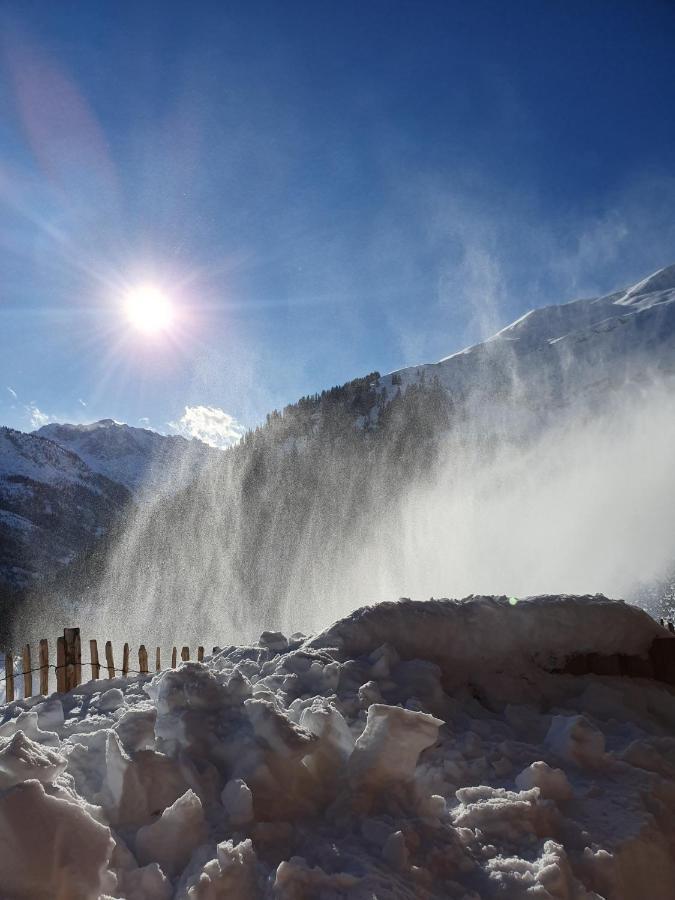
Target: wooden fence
{"points": [[69, 664], [660, 663]]}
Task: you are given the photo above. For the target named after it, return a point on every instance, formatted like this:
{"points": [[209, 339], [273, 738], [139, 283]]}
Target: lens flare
{"points": [[149, 309]]}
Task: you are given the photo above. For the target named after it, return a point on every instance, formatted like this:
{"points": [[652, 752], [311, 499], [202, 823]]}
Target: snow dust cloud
{"points": [[293, 541], [588, 507]]}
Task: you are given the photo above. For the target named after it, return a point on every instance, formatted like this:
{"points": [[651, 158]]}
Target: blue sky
{"points": [[322, 189]]}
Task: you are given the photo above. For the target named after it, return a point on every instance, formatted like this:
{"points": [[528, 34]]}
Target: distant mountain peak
{"points": [[661, 280]]}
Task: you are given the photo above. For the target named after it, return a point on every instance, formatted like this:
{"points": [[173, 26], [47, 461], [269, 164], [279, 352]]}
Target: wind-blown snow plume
{"points": [[537, 461]]}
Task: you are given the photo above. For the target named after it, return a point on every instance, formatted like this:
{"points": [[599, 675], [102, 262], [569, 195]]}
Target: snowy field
{"points": [[412, 750]]}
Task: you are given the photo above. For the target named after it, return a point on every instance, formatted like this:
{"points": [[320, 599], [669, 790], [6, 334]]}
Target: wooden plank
{"points": [[71, 640], [9, 678], [158, 660], [200, 654], [662, 655], [185, 654], [109, 661], [125, 661], [95, 664], [143, 659], [78, 658], [44, 666], [27, 675], [174, 654], [61, 665]]}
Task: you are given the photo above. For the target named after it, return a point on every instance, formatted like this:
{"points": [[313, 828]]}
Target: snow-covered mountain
{"points": [[138, 458], [63, 486], [558, 354], [52, 506]]}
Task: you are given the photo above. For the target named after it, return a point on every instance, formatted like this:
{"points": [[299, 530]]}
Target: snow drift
{"points": [[412, 750]]}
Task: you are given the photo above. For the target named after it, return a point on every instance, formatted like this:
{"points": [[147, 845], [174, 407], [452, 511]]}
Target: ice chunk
{"points": [[369, 693], [237, 801], [171, 839], [390, 744], [49, 713], [498, 814], [576, 739], [231, 876], [395, 852], [50, 847], [136, 729], [274, 640], [110, 700], [21, 759], [295, 879], [549, 876], [552, 783], [28, 723], [146, 883], [277, 731]]}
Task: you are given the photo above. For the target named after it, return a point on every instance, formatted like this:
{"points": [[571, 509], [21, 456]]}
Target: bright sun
{"points": [[149, 309]]}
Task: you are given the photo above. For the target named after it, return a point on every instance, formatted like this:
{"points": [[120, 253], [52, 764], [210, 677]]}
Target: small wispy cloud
{"points": [[13, 393], [37, 417], [81, 402], [209, 424]]}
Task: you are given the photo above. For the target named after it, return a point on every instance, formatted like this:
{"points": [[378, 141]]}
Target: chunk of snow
{"points": [[231, 875], [50, 847], [389, 746], [552, 783], [237, 801], [576, 739], [22, 759], [171, 839]]}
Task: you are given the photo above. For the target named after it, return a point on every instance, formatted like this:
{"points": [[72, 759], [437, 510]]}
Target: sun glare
{"points": [[149, 309]]}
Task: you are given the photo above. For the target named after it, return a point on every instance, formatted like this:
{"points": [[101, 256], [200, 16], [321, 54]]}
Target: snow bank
{"points": [[411, 750]]}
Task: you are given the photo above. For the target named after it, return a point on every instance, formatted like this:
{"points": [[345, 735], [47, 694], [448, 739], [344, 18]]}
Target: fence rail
{"points": [[69, 664]]}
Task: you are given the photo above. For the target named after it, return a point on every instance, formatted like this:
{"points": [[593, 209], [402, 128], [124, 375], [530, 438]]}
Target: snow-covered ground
{"points": [[412, 750]]}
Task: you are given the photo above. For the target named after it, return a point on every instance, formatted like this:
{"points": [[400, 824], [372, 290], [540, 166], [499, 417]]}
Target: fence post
{"points": [[44, 666], [185, 654], [27, 674], [158, 664], [95, 664], [143, 659], [200, 654], [71, 640], [109, 661], [125, 661], [61, 665], [9, 678], [173, 658]]}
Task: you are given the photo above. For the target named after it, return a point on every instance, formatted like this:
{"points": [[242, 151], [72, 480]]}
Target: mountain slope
{"points": [[138, 458], [53, 507], [555, 355]]}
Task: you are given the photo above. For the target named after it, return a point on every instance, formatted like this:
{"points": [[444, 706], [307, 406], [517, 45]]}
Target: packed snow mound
{"points": [[494, 631], [349, 766]]}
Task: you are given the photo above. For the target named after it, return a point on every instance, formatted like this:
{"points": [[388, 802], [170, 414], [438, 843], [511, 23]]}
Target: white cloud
{"points": [[209, 424], [81, 402], [13, 393], [37, 417]]}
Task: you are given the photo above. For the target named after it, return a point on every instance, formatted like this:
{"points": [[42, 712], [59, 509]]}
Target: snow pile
{"points": [[411, 750]]}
